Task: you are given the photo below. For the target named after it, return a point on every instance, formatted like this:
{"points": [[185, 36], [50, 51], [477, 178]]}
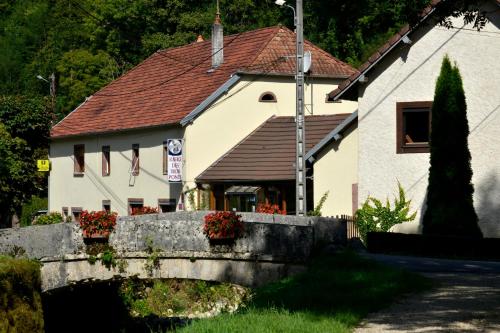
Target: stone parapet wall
{"points": [[266, 237], [42, 241], [279, 237], [271, 248]]}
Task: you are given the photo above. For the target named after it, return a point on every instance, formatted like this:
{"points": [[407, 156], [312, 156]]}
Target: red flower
{"points": [[270, 209], [97, 222], [144, 210], [223, 225]]}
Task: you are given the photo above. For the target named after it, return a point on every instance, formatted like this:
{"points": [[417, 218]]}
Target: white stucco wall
{"points": [[335, 171], [90, 190], [238, 113], [410, 75]]}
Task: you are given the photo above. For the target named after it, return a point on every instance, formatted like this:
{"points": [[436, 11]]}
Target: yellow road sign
{"points": [[43, 165]]}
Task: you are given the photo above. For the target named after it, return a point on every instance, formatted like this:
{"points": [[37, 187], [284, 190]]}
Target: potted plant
{"points": [[144, 210], [97, 224], [223, 225], [267, 208]]}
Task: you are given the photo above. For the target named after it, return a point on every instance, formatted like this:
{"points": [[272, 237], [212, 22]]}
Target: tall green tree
{"points": [[24, 130], [450, 209]]}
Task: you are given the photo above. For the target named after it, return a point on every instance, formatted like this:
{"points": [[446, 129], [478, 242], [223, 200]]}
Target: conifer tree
{"points": [[450, 209]]}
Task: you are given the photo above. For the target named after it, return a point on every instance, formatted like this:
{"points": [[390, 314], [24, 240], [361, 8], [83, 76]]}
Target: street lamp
{"points": [[52, 91], [300, 167]]}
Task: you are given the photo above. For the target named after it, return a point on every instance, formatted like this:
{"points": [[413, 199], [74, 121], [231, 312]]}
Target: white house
{"points": [[112, 151], [395, 89]]}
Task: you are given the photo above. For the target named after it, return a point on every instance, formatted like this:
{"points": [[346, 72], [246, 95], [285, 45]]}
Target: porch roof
{"points": [[268, 153]]}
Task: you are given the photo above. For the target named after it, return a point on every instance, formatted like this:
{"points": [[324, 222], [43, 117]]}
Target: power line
{"points": [[89, 14]]}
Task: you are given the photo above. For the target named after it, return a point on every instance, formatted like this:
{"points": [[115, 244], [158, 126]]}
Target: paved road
{"points": [[467, 298]]}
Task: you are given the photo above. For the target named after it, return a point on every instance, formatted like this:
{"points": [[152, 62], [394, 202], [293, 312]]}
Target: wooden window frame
{"points": [[106, 203], [65, 213], [401, 146], [106, 160], [134, 201], [169, 202], [274, 100], [165, 158], [77, 210], [78, 160], [135, 165]]}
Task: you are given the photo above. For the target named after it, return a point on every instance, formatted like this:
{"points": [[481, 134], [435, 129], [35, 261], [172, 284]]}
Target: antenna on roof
{"points": [[217, 14]]}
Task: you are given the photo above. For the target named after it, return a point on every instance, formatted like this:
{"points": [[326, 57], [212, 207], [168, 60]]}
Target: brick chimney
{"points": [[217, 41]]}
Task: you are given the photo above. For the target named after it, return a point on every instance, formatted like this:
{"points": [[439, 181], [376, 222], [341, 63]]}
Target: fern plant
{"points": [[375, 216]]}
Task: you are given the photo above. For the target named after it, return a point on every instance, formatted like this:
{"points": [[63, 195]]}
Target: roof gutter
{"points": [[210, 99], [336, 97], [333, 136]]}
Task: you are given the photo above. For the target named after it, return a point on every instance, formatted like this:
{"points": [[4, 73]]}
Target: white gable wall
{"points": [[410, 74]]}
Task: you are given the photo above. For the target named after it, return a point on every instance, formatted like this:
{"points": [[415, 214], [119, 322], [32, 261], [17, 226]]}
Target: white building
{"points": [[111, 153], [395, 89]]}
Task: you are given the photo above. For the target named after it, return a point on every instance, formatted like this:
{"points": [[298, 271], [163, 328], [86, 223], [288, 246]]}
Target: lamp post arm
{"points": [[294, 15]]}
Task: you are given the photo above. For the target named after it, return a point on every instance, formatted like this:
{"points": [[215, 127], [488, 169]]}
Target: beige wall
{"points": [[89, 191], [235, 115], [410, 75], [335, 171], [231, 119]]}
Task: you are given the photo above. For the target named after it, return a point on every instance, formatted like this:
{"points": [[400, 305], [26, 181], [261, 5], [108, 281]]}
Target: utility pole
{"points": [[300, 170]]}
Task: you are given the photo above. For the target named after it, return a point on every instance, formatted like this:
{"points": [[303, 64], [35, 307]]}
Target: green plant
{"points": [[108, 258], [50, 218], [103, 252], [32, 206], [319, 206], [375, 216], [20, 296], [153, 260], [450, 208]]}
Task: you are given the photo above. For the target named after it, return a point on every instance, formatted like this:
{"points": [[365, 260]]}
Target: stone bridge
{"points": [[272, 247]]}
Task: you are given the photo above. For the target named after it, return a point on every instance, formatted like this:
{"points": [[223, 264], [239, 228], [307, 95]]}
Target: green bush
{"points": [[50, 218], [35, 204], [20, 300], [380, 217]]}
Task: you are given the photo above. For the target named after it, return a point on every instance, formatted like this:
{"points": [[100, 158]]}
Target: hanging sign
{"points": [[174, 160], [43, 165]]}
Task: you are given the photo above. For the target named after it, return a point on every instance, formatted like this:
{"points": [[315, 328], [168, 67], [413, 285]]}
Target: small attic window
{"points": [[268, 97]]}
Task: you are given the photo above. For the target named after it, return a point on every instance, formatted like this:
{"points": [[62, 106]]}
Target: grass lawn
{"points": [[332, 296]]}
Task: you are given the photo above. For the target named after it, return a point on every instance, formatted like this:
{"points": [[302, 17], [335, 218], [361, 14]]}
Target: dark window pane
{"points": [[416, 126]]}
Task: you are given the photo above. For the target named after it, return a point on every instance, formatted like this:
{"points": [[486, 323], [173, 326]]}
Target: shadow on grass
{"points": [[343, 284], [333, 295]]}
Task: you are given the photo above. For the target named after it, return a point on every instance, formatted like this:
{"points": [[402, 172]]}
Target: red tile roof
{"points": [[268, 153], [168, 85]]}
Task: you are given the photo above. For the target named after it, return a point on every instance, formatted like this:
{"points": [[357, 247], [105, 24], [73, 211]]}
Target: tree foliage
{"points": [[24, 128], [40, 37], [450, 209]]}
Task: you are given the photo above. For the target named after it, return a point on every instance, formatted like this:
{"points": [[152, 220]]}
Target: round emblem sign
{"points": [[174, 147]]}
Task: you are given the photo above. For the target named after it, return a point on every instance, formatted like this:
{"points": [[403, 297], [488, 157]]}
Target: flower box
{"points": [[97, 224], [223, 226]]}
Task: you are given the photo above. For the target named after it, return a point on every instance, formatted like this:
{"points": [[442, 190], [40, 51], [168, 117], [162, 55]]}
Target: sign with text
{"points": [[174, 160], [43, 165]]}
